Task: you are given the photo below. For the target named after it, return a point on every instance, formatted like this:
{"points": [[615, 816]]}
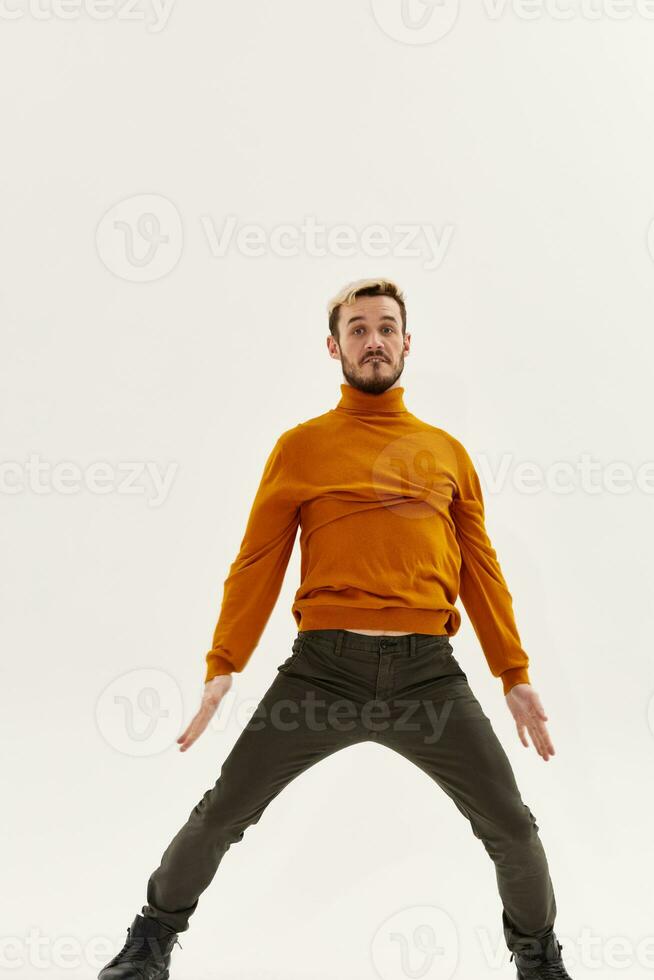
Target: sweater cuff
{"points": [[513, 676], [216, 667]]}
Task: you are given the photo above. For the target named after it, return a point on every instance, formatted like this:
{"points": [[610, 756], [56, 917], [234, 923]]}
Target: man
{"points": [[393, 531]]}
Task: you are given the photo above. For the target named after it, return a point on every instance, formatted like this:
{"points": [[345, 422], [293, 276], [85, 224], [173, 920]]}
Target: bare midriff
{"points": [[376, 632]]}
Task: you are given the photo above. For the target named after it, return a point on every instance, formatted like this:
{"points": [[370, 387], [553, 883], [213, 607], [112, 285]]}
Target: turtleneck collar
{"points": [[388, 402]]}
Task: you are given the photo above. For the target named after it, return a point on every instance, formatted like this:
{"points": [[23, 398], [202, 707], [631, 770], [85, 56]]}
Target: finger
{"points": [[188, 729], [200, 718], [539, 710], [184, 734], [521, 734], [190, 735], [546, 739], [536, 737], [188, 742], [198, 725], [543, 733], [187, 737], [541, 740]]}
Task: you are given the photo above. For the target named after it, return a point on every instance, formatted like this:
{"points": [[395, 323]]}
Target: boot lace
{"points": [[138, 948]]}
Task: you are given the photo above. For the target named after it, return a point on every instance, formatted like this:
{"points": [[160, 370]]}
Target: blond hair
{"points": [[363, 287]]}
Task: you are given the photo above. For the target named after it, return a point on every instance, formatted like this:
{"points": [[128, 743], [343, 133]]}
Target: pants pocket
{"points": [[297, 650]]}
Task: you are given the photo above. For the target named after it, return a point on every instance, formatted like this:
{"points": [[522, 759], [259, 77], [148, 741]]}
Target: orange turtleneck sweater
{"points": [[392, 531]]}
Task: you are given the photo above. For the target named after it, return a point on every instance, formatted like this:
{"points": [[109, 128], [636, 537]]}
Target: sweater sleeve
{"points": [[255, 577], [482, 587]]}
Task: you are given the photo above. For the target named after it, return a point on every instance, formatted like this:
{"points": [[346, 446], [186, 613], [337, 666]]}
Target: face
{"points": [[370, 347]]}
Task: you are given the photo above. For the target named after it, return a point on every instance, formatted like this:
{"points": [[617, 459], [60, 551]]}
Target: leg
{"points": [[280, 741], [449, 737]]}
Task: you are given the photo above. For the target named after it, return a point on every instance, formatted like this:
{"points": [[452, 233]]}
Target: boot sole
{"points": [[162, 976]]}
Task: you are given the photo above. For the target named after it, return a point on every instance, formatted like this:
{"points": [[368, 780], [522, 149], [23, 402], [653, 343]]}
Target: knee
{"points": [[521, 827], [223, 821], [514, 833], [527, 828]]}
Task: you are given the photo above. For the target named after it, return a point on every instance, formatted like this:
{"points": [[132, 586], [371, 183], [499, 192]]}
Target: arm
{"points": [[483, 590], [255, 577]]}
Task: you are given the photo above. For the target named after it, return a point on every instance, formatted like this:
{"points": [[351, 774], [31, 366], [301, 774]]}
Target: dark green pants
{"points": [[338, 689]]}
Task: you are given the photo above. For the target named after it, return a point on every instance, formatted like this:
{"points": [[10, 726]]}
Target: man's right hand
{"points": [[214, 692]]}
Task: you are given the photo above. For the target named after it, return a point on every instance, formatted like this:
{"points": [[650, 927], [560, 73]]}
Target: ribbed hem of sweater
{"points": [[432, 621]]}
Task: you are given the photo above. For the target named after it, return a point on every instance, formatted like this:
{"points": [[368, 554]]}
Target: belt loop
{"points": [[339, 642], [412, 645]]}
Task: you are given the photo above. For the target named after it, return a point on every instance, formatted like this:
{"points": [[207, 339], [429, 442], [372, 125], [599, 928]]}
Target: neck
{"points": [[386, 402]]}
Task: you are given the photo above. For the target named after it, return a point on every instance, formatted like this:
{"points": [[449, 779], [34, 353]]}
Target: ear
{"points": [[332, 347]]}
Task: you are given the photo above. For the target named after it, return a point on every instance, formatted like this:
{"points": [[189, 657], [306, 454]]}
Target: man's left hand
{"points": [[524, 704]]}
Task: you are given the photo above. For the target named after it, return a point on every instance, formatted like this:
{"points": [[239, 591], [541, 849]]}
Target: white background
{"points": [[532, 142]]}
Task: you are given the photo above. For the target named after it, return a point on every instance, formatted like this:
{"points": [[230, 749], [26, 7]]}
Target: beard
{"points": [[375, 379]]}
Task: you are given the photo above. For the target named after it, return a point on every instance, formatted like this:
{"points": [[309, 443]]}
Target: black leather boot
{"points": [[146, 953], [545, 965]]}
